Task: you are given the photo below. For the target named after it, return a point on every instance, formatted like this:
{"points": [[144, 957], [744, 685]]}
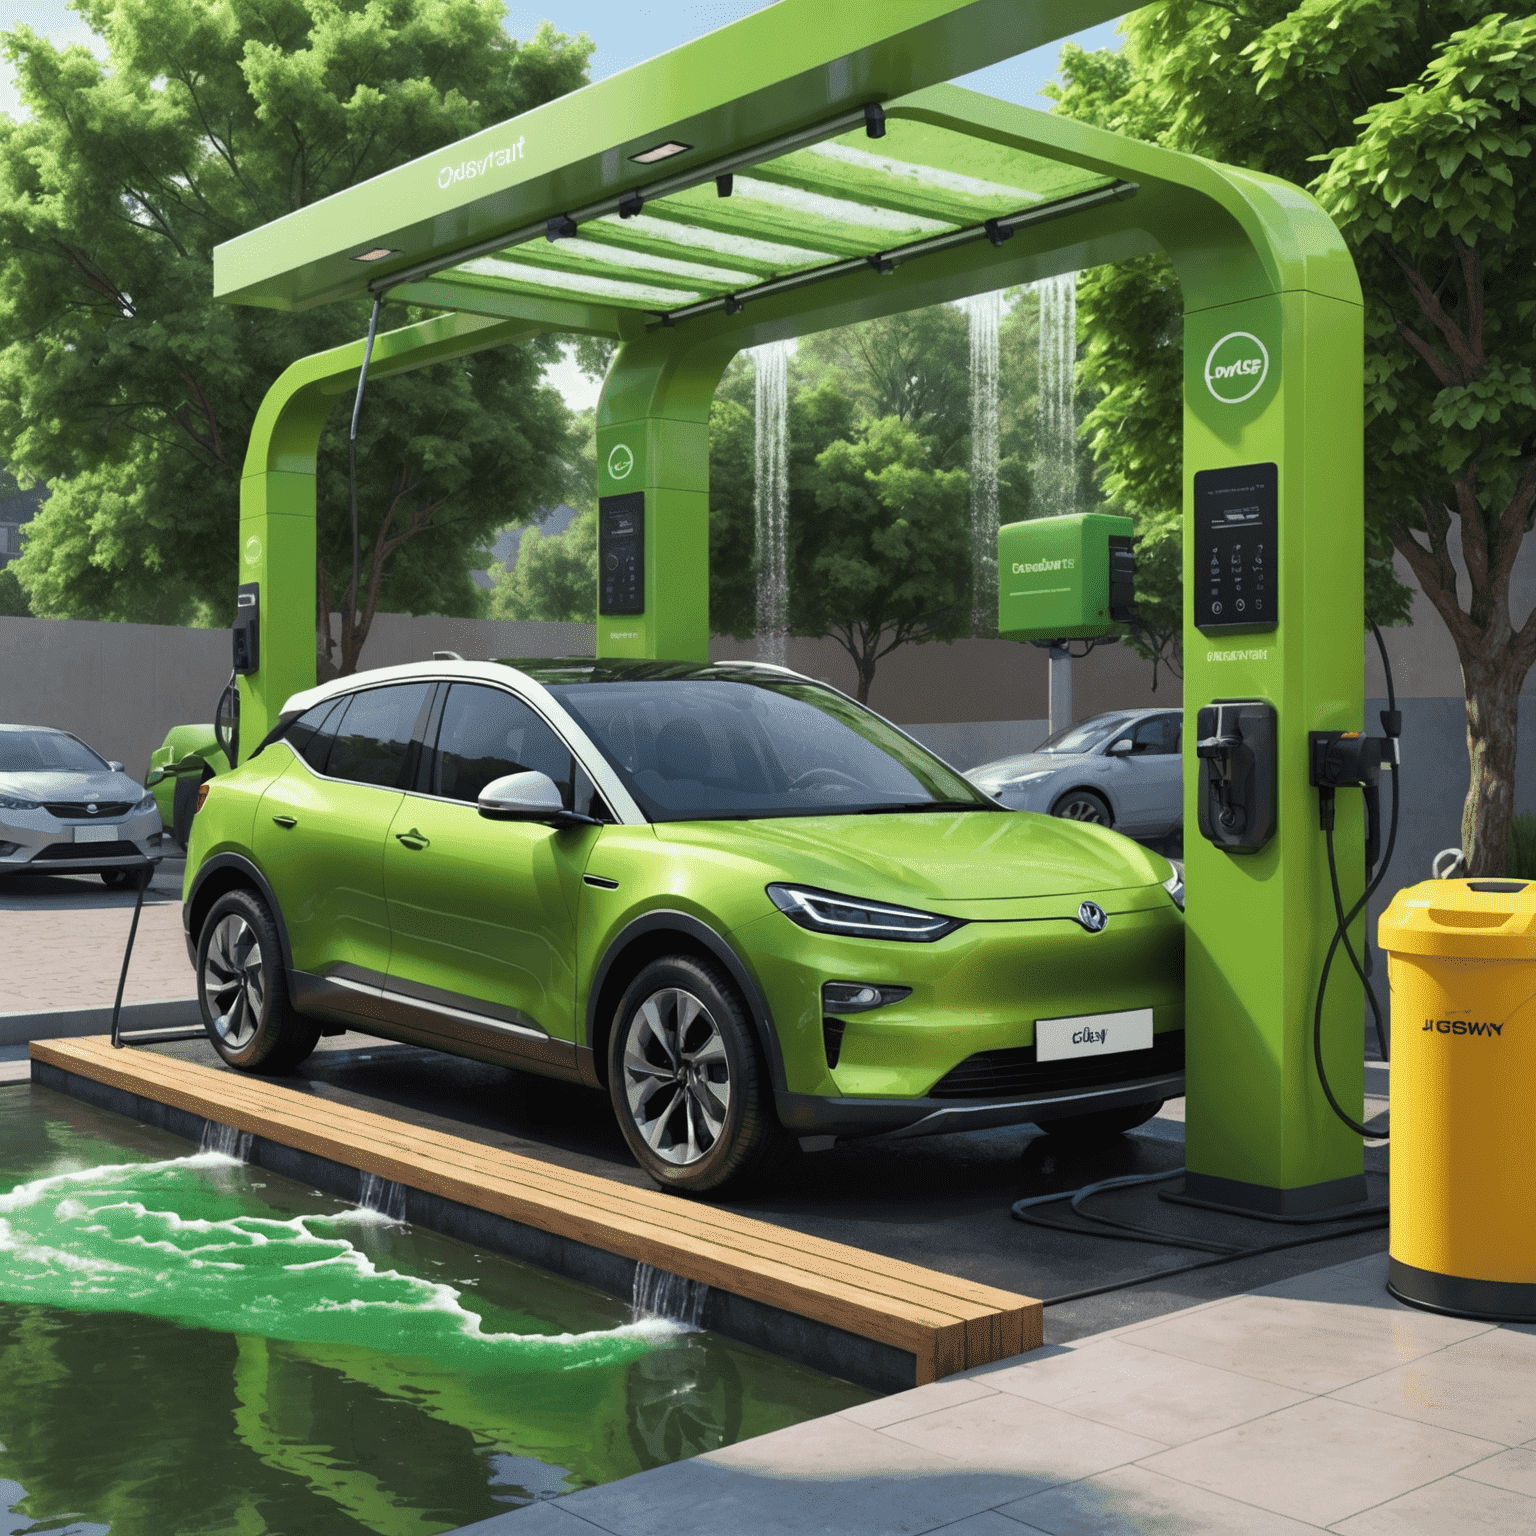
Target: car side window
{"points": [[312, 733], [1158, 736], [486, 734], [373, 739]]}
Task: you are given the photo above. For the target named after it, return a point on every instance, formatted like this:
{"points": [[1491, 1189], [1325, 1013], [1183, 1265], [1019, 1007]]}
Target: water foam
{"points": [[166, 1240]]}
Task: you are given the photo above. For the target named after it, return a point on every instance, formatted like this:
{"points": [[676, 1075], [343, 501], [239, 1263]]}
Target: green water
{"points": [[189, 1346]]}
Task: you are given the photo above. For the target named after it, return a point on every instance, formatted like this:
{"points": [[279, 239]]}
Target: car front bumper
{"points": [[896, 1119], [39, 843], [958, 1050]]}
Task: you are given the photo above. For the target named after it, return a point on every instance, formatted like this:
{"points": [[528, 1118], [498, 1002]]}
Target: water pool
{"points": [[189, 1345]]}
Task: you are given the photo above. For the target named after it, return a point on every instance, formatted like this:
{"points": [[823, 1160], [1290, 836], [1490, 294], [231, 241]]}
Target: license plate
{"points": [[96, 834], [1093, 1034]]}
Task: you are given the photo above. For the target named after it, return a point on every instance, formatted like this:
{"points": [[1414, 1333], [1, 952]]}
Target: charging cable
{"points": [[1028, 1211], [122, 980], [1357, 767]]}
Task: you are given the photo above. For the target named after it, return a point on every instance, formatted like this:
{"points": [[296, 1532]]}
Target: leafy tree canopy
{"points": [[131, 393], [1413, 125]]}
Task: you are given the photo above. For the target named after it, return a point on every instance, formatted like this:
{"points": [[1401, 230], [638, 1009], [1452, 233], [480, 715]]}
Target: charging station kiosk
{"points": [[803, 168]]}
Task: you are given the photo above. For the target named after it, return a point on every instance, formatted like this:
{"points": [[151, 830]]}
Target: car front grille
{"points": [[87, 810], [68, 852], [1016, 1073]]}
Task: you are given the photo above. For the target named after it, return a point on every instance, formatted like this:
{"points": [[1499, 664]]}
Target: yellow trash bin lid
{"points": [[1488, 919]]}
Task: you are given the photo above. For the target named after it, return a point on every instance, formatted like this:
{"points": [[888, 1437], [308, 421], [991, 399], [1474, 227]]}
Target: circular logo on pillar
{"points": [[620, 461], [1236, 368], [252, 550]]}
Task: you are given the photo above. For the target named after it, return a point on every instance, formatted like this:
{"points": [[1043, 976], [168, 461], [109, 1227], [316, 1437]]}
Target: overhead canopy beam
{"points": [[794, 66]]}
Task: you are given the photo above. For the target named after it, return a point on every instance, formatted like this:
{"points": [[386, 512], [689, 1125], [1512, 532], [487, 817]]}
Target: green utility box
{"points": [[1064, 578]]}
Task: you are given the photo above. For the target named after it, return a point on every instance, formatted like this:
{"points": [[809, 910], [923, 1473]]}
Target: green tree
{"points": [[13, 599], [128, 391], [886, 560], [1413, 125], [554, 577], [913, 366], [819, 415]]}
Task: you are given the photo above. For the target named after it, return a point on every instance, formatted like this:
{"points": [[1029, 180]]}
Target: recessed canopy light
{"points": [[660, 152], [378, 253]]}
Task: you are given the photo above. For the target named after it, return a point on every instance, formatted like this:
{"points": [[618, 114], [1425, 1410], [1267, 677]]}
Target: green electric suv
{"points": [[744, 904]]}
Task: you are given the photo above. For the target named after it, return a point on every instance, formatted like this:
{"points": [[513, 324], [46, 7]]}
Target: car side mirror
{"points": [[1121, 748], [114, 765], [529, 796]]}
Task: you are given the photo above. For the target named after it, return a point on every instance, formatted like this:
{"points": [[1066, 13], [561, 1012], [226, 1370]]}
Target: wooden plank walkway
{"points": [[946, 1323]]}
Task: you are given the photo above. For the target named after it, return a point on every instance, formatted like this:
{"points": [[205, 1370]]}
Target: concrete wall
{"points": [[122, 686]]}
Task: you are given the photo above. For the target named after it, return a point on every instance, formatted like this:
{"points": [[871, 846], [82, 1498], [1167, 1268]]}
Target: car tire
{"points": [[113, 879], [687, 1080], [1100, 1124], [1084, 805], [243, 990]]}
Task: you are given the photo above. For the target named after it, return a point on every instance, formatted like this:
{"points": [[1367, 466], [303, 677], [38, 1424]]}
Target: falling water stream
{"points": [[1055, 464], [771, 501], [658, 1293], [985, 314]]}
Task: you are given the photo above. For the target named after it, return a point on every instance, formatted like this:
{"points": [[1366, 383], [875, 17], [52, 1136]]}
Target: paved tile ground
{"points": [[1318, 1403], [62, 939], [61, 961]]}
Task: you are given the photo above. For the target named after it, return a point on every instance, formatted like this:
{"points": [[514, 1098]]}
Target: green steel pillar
{"points": [[653, 439], [1276, 380], [277, 493]]}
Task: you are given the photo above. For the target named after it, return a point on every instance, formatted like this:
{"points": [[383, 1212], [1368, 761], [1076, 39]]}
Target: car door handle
{"points": [[413, 840], [286, 821]]}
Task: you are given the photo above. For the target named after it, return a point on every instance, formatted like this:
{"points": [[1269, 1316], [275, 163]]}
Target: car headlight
{"points": [[148, 803], [1174, 885], [1027, 778], [853, 917], [14, 803]]}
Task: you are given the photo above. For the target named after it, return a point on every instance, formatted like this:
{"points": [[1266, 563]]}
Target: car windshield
{"points": [[1084, 737], [692, 749], [46, 752]]}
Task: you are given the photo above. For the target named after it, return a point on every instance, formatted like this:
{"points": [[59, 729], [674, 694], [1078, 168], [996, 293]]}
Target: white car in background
{"points": [[66, 811], [1120, 770]]}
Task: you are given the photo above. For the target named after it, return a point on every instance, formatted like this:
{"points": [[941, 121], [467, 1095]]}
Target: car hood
{"points": [[993, 775], [104, 785], [947, 856]]}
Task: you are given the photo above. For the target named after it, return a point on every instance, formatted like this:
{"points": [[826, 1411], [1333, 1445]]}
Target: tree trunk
{"points": [[1493, 712]]}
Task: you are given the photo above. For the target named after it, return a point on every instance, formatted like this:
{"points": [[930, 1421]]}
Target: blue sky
{"points": [[625, 33]]}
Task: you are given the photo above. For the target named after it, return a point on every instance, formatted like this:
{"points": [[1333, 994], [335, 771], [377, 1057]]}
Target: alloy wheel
{"points": [[233, 983], [1081, 808], [677, 1076]]}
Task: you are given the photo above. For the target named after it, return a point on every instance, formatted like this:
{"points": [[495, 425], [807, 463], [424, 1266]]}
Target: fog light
{"points": [[7, 849], [859, 996]]}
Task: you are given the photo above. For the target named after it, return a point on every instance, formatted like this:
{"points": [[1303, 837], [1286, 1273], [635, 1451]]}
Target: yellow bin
{"points": [[1461, 960]]}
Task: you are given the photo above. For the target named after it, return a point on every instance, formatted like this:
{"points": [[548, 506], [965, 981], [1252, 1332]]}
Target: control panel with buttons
{"points": [[1237, 512], [621, 553]]}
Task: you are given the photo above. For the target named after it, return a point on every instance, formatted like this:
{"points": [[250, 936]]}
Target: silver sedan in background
{"points": [[66, 811], [1120, 770]]}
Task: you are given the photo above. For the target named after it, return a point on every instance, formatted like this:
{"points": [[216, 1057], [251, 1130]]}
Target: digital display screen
{"points": [[1237, 515], [621, 553]]}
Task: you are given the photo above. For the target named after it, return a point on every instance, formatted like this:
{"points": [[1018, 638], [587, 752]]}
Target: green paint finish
{"points": [[1271, 295], [499, 912], [241, 1354], [1053, 576], [277, 493], [1259, 925]]}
